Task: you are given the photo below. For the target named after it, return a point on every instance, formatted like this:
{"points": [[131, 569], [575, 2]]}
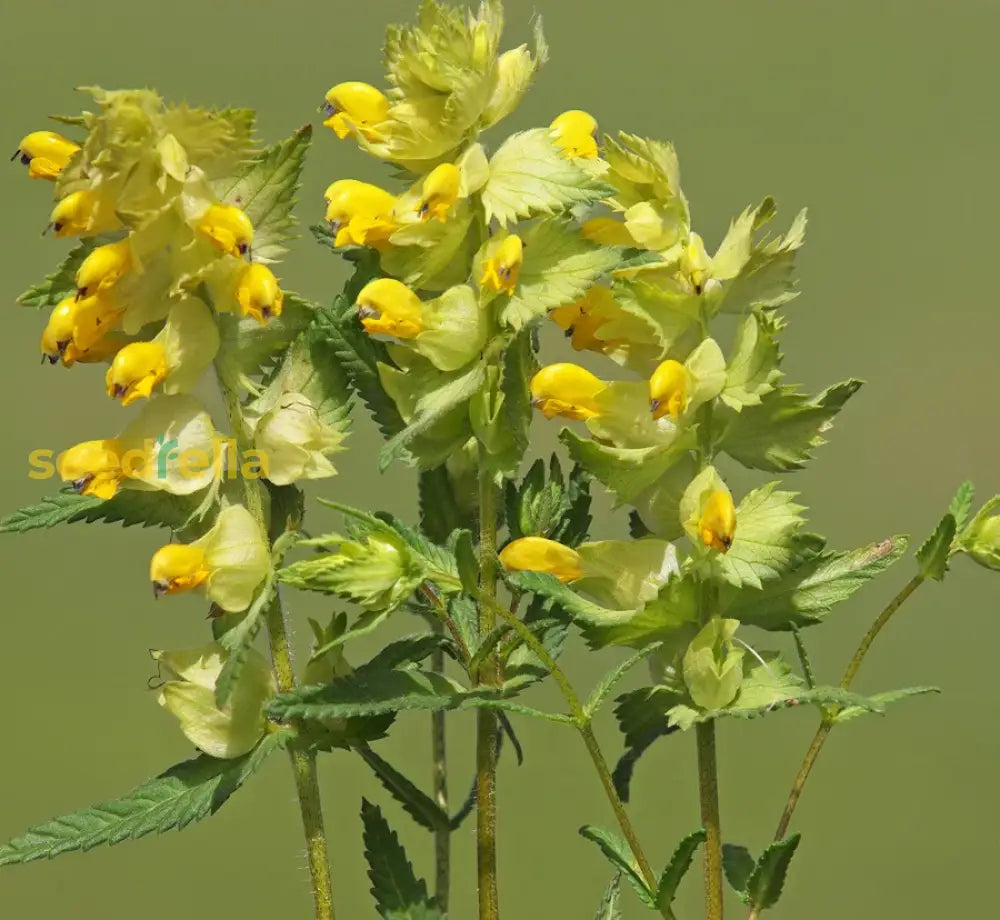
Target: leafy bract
{"points": [[61, 283], [753, 367], [618, 854]]}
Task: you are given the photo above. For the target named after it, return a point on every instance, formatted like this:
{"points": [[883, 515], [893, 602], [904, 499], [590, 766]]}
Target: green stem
{"points": [[439, 778], [486, 719], [708, 786], [303, 760], [827, 723], [582, 721]]}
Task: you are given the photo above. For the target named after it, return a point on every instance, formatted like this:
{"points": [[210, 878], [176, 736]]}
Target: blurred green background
{"points": [[882, 119]]}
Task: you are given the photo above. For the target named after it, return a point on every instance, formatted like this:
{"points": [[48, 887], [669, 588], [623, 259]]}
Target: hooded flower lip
{"points": [[717, 525], [539, 554], [503, 269], [177, 567], [669, 388], [440, 192], [228, 563], [359, 213], [58, 331], [45, 153], [75, 214], [135, 371], [93, 318], [696, 264], [103, 268], [258, 293], [388, 307], [575, 133], [93, 468], [227, 228], [567, 390], [356, 105]]}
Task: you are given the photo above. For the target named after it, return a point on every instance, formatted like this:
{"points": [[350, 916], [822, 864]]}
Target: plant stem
{"points": [[303, 760], [827, 723], [439, 779], [708, 785], [582, 722], [486, 719]]}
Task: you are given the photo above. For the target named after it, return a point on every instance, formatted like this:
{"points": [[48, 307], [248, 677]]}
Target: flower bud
{"points": [[136, 370], [388, 307], [717, 524], [177, 567], [359, 213], [668, 390], [356, 105], [713, 665], [295, 441], [440, 192], [258, 293], [59, 330], [93, 468], [981, 539], [103, 268], [567, 390], [227, 228], [696, 265], [503, 269], [538, 554], [45, 153], [575, 133]]}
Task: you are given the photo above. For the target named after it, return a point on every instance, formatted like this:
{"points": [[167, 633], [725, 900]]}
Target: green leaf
{"points": [[417, 804], [781, 433], [238, 640], [618, 854], [440, 514], [811, 590], [560, 266], [677, 868], [672, 613], [61, 283], [398, 893], [738, 865], [575, 525], [753, 368], [129, 507], [878, 701], [932, 556], [529, 176], [188, 792], [608, 682], [642, 718], [576, 606], [608, 909], [250, 349], [768, 877], [266, 191], [961, 504]]}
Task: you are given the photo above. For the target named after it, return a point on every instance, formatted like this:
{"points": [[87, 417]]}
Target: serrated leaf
{"points": [[753, 368], [961, 504], [781, 433], [738, 865], [608, 909], [618, 854], [811, 590], [642, 719], [881, 700], [932, 556], [440, 514], [61, 283], [216, 141], [419, 806], [576, 606], [266, 191], [529, 176], [677, 868], [238, 640], [398, 893], [608, 681], [250, 349], [768, 877], [560, 266], [188, 792], [672, 613]]}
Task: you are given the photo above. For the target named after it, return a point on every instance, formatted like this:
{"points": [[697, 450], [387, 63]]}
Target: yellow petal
{"points": [[567, 390], [538, 554]]}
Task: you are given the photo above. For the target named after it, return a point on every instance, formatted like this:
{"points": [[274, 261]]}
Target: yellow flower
{"points": [[258, 293], [103, 268], [575, 133], [356, 105], [440, 191], [227, 228], [93, 318], [76, 214], [503, 269], [45, 153], [717, 524], [607, 231], [359, 213], [669, 390], [101, 351], [228, 563], [388, 307], [58, 331], [567, 390], [696, 265], [538, 554], [136, 370], [93, 467], [582, 319]]}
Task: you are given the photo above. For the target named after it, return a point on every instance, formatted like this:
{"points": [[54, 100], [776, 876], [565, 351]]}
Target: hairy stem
{"points": [[439, 779], [486, 720], [708, 786], [827, 723], [303, 760]]}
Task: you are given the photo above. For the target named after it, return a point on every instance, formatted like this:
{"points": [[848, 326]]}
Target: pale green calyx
{"points": [[713, 665]]}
